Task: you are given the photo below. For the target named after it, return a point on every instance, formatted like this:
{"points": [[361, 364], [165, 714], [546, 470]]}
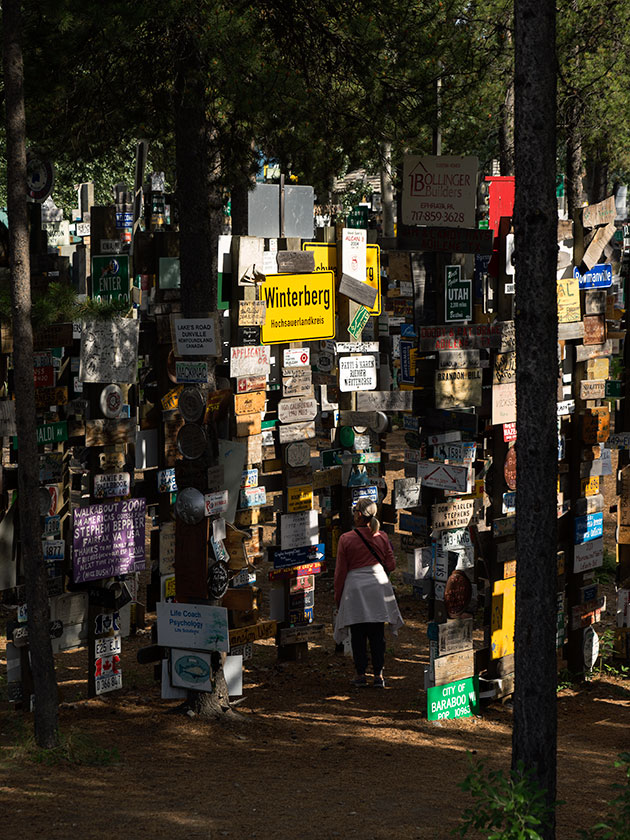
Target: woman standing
{"points": [[363, 593]]}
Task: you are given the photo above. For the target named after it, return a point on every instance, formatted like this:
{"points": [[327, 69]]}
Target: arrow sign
{"points": [[298, 556], [443, 476]]}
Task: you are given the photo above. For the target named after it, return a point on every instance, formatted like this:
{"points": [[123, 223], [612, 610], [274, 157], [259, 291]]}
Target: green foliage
{"points": [[509, 807], [616, 824], [74, 747], [60, 304], [607, 571]]}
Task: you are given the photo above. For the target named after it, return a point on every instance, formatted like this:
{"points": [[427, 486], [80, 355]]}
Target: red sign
{"points": [[509, 432], [44, 377]]}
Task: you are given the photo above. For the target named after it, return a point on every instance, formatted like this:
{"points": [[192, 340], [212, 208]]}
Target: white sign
{"points": [[444, 476], [111, 485], [250, 361], [298, 454], [588, 555], [357, 373], [504, 404], [109, 351], [297, 358], [358, 346], [354, 252], [299, 529], [216, 502], [439, 191], [195, 337], [297, 410], [192, 626]]}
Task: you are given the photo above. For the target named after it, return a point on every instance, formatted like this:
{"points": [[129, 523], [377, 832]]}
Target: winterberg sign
{"points": [[300, 307]]}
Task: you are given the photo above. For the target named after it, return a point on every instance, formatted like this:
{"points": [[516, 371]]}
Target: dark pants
{"points": [[359, 635]]}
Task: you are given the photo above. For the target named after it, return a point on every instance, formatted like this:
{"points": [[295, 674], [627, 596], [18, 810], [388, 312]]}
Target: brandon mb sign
{"points": [[300, 307]]}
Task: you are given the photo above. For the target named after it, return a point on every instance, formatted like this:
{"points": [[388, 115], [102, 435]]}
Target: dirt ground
{"points": [[311, 758]]}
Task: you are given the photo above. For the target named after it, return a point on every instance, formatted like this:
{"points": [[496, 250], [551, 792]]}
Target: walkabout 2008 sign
{"points": [[300, 307]]}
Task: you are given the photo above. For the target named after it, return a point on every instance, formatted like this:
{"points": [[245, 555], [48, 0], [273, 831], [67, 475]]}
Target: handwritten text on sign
{"points": [[108, 539]]}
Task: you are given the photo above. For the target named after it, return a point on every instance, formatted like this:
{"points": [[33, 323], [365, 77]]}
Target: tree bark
{"points": [[387, 190], [42, 662], [574, 172], [200, 204], [506, 132], [535, 224]]}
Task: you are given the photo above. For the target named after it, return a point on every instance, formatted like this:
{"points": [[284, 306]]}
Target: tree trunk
{"points": [[574, 172], [506, 132], [387, 190], [42, 662], [200, 204], [535, 224], [596, 179]]}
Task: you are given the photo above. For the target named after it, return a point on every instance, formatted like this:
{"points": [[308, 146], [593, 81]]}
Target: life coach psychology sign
{"points": [[300, 307]]}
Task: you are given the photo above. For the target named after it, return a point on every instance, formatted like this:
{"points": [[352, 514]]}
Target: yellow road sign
{"points": [[300, 307], [326, 260]]}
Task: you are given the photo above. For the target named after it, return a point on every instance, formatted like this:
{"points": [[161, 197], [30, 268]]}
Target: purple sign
{"points": [[108, 539]]}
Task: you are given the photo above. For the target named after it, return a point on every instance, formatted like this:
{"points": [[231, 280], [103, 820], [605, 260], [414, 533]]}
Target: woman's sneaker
{"points": [[379, 682], [359, 682]]}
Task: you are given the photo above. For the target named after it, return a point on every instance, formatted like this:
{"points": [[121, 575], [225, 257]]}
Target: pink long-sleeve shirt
{"points": [[352, 553]]}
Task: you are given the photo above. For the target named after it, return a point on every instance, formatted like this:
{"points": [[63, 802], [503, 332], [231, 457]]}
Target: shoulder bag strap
{"points": [[369, 547]]}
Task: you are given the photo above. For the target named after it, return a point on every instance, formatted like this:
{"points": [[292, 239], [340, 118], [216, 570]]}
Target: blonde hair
{"points": [[368, 509]]}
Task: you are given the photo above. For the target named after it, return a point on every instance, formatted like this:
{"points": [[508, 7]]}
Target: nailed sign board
{"points": [[456, 514], [465, 336], [602, 213], [356, 346], [588, 527], [297, 382], [456, 699], [192, 626], [296, 431], [295, 358], [385, 401], [592, 389], [599, 277], [326, 260], [109, 351], [353, 255], [191, 372], [110, 485], [297, 411], [357, 373], [250, 361], [298, 454], [108, 539], [300, 498], [110, 278], [444, 476], [598, 243], [457, 387], [457, 295], [197, 337], [406, 493], [299, 529], [439, 190], [503, 404], [588, 555], [454, 359], [359, 292], [251, 313], [249, 403], [300, 556], [455, 240], [300, 307], [454, 666], [568, 291]]}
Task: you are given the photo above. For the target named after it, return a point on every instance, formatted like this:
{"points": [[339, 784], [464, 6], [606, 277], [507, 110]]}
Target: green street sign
{"points": [[453, 700], [457, 295], [362, 316], [110, 278], [614, 389], [49, 433]]}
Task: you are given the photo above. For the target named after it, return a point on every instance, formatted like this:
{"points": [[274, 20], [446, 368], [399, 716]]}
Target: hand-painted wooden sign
{"points": [[504, 368], [594, 329], [457, 387], [251, 313], [249, 361], [503, 404], [109, 432], [568, 291], [245, 384], [454, 667], [509, 468], [297, 431], [298, 454], [594, 251], [592, 389], [596, 424], [503, 611], [297, 382], [602, 213], [462, 336], [109, 351], [297, 410], [111, 485], [406, 493], [299, 498], [455, 514], [249, 403], [108, 539], [191, 372]]}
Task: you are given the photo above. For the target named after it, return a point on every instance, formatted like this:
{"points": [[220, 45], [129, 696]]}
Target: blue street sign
{"points": [[599, 277], [588, 527], [298, 556]]}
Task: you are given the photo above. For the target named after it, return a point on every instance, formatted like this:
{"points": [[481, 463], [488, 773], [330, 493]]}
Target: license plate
{"points": [[107, 646], [110, 683]]}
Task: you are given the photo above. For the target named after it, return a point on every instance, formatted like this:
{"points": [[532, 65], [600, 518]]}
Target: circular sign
{"points": [[190, 506], [590, 648], [304, 358], [111, 401], [191, 441], [191, 404], [40, 177], [509, 468], [457, 594], [218, 580], [382, 422], [346, 436]]}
